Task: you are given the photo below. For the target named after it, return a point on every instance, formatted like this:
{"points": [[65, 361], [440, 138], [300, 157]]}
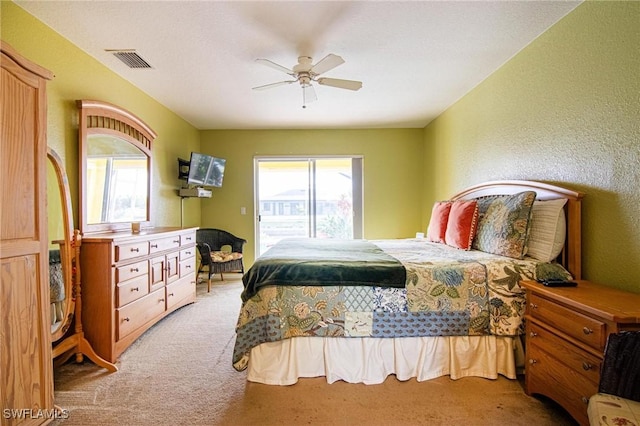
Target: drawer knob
{"points": [[176, 241], [187, 266], [586, 366], [587, 330], [154, 246], [126, 319], [533, 334], [533, 361], [161, 300], [188, 238], [188, 253], [135, 289], [533, 306], [135, 249], [134, 269], [170, 294]]}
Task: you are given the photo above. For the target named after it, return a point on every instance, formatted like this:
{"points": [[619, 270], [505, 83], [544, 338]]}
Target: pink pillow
{"points": [[462, 223], [438, 223]]}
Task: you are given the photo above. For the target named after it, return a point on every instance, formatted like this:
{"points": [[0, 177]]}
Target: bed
{"points": [[448, 304]]}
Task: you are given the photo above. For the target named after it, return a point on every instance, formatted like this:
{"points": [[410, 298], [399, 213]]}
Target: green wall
{"points": [[565, 110], [79, 76], [392, 175]]}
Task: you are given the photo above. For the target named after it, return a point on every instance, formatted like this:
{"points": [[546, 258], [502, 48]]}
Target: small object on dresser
{"points": [[558, 283]]}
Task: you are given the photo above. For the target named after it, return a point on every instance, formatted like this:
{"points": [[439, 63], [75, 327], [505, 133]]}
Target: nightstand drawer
{"points": [[550, 377], [573, 357], [580, 327]]}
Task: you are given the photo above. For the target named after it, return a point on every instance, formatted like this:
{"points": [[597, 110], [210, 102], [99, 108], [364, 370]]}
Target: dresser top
{"points": [[146, 233], [606, 302]]}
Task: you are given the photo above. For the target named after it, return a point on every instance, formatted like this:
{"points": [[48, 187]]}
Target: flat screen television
{"points": [[202, 170]]}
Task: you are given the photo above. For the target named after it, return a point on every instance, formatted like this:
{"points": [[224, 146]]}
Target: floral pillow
{"points": [[503, 224]]}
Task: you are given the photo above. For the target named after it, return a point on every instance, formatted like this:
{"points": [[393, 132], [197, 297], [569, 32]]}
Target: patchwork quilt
{"points": [[447, 292]]}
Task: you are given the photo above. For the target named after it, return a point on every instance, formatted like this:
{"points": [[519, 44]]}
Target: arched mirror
{"points": [[64, 270], [115, 168]]}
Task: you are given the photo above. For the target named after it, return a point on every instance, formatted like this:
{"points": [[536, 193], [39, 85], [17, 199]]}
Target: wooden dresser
{"points": [[566, 333], [131, 281]]}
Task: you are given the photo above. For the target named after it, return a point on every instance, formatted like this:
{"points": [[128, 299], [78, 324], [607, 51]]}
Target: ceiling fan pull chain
{"points": [[304, 98]]}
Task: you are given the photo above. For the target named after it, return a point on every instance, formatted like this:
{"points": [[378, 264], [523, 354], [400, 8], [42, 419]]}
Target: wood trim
{"points": [[25, 63], [97, 117], [571, 256]]}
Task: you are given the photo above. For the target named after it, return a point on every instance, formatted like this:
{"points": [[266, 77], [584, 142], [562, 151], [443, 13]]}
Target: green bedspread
{"points": [[325, 262]]}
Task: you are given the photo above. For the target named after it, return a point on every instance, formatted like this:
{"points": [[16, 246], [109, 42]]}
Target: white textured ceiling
{"points": [[415, 58]]}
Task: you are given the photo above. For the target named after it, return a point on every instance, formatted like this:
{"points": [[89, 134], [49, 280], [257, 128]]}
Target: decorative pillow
{"points": [[548, 229], [503, 224], [461, 226], [438, 223]]}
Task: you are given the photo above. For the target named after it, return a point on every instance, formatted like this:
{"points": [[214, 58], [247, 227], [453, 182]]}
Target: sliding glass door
{"points": [[319, 197]]}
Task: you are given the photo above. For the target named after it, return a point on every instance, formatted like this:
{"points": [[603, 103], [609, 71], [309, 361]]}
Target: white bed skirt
{"points": [[370, 360]]}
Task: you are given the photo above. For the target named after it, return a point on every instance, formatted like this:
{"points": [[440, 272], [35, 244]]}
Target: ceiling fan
{"points": [[305, 73]]}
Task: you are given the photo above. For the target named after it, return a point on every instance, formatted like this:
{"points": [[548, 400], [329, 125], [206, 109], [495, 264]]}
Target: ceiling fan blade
{"points": [[269, 86], [327, 63], [275, 66], [342, 84]]}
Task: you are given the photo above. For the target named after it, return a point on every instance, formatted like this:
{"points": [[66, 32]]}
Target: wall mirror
{"points": [[115, 168], [64, 270]]}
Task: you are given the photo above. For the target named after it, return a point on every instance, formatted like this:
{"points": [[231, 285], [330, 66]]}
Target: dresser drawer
{"points": [[136, 314], [162, 244], [179, 291], [129, 251], [572, 356], [187, 253], [126, 272], [547, 376], [580, 327], [188, 238], [188, 268], [132, 289]]}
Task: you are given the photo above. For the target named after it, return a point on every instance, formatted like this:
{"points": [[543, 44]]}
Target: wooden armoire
{"points": [[26, 367]]}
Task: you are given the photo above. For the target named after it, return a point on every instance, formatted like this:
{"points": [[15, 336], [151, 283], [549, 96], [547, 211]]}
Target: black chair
{"points": [[619, 388], [210, 242]]}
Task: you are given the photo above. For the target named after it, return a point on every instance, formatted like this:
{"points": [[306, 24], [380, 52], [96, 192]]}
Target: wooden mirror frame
{"points": [[102, 118], [68, 257], [68, 343]]}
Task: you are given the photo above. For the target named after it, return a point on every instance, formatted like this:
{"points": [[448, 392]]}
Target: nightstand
{"points": [[566, 332]]}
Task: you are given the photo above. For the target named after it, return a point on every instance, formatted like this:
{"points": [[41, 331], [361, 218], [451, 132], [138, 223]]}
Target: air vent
{"points": [[130, 58]]}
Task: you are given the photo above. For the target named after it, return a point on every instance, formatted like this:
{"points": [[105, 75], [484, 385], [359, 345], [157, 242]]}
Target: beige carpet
{"points": [[179, 372]]}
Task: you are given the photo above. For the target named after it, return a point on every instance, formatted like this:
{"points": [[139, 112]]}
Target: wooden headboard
{"points": [[571, 256]]}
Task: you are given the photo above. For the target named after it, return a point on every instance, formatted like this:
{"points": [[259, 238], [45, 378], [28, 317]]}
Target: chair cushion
{"points": [[605, 409], [224, 256]]}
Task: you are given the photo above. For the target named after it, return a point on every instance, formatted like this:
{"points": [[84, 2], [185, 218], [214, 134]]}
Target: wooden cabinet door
{"points": [[157, 272], [173, 270], [26, 383]]}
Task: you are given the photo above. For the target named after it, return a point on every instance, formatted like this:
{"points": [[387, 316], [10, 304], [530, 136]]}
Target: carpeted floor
{"points": [[179, 372]]}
